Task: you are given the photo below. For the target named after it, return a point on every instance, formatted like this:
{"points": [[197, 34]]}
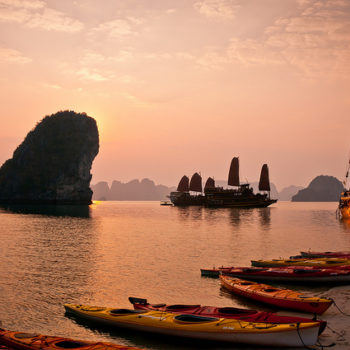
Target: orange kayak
{"points": [[30, 341], [284, 298]]}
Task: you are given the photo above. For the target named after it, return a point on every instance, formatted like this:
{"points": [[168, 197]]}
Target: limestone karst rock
{"points": [[53, 163], [322, 188]]}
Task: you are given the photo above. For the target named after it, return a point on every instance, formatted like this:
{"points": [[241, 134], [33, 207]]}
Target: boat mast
{"points": [[346, 176]]}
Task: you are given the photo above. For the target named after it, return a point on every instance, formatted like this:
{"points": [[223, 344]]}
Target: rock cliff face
{"points": [[321, 189], [53, 163]]}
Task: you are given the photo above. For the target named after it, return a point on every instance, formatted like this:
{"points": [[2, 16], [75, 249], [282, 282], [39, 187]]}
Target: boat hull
{"points": [[212, 329], [26, 341], [302, 275], [184, 199], [345, 213], [320, 262], [247, 315], [325, 254], [284, 298]]}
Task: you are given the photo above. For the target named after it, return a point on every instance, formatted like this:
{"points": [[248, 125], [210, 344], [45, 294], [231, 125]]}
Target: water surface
{"points": [[109, 251]]}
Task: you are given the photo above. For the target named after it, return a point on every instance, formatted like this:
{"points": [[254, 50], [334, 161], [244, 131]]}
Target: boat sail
{"points": [[196, 183], [183, 184], [210, 183], [182, 196], [233, 175], [264, 183]]}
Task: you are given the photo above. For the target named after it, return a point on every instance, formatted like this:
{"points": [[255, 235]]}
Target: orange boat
{"points": [[284, 298], [30, 341], [343, 210]]}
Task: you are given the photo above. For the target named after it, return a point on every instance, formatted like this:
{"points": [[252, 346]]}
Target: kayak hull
{"points": [[280, 297], [311, 254], [247, 315], [319, 262], [208, 329], [301, 274], [27, 341]]}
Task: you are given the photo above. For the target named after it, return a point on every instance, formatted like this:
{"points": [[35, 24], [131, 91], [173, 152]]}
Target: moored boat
{"points": [[247, 315], [182, 195], [200, 327], [344, 205], [343, 210], [242, 195], [290, 274], [214, 272], [319, 262], [281, 297], [33, 341]]}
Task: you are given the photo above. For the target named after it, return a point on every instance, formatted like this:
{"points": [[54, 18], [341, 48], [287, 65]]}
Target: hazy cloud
{"points": [[35, 14], [14, 56], [23, 4], [220, 9], [317, 41], [117, 28], [92, 74]]}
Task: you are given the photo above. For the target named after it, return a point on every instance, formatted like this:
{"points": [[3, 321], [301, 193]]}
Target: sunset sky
{"points": [[183, 86]]}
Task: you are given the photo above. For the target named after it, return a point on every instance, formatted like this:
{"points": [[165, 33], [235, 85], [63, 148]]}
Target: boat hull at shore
{"points": [[202, 328], [31, 341]]}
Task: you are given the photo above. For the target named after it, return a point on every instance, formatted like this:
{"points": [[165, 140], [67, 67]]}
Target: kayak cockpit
{"points": [[194, 318]]}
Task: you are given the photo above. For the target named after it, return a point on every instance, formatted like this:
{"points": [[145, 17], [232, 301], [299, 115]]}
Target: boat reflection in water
{"points": [[242, 196]]}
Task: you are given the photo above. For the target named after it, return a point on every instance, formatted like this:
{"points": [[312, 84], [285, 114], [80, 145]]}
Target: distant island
{"points": [[135, 190], [146, 190], [53, 163], [321, 189]]}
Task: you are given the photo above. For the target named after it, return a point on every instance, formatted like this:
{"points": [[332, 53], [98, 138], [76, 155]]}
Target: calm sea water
{"points": [[109, 251]]}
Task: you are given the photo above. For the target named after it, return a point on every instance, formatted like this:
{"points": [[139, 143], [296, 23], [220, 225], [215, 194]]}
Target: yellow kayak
{"points": [[320, 262], [200, 327]]}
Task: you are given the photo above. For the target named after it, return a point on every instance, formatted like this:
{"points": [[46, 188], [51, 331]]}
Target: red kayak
{"points": [[223, 312], [281, 297], [299, 274]]}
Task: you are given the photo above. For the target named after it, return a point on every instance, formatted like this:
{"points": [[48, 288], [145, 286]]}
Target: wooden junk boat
{"points": [[182, 195], [242, 196], [202, 327], [33, 341]]}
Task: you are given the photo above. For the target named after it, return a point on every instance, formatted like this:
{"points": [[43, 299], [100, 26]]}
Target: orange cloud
{"points": [[35, 14], [220, 9], [13, 56]]}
